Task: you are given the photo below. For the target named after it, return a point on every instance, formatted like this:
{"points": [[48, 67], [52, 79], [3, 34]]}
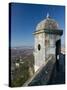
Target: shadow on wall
{"points": [[58, 75]]}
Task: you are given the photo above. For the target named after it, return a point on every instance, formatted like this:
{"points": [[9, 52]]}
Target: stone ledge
{"points": [[49, 31]]}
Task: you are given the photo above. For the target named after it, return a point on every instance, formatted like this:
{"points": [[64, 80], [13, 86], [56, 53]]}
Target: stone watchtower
{"points": [[47, 41]]}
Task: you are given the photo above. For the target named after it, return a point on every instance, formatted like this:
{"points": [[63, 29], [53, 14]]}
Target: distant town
{"points": [[21, 59]]}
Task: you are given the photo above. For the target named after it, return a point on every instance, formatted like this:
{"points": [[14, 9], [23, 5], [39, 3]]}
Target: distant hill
{"points": [[22, 47]]}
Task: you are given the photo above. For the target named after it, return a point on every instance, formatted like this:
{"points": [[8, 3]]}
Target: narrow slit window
{"points": [[39, 47]]}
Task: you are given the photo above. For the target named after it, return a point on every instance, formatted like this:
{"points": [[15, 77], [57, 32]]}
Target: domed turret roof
{"points": [[47, 23]]}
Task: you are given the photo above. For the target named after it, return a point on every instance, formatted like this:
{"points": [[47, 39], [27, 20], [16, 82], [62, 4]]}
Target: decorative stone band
{"points": [[49, 31]]}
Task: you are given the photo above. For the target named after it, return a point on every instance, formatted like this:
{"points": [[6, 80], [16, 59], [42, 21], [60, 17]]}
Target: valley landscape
{"points": [[21, 60]]}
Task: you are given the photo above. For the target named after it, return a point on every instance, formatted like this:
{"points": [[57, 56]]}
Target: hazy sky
{"points": [[25, 17]]}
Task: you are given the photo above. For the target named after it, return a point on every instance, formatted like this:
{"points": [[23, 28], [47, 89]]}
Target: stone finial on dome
{"points": [[48, 15]]}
